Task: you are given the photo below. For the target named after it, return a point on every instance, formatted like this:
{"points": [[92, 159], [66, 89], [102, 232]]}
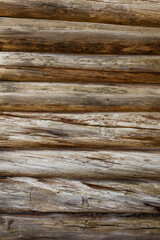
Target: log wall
{"points": [[79, 120]]}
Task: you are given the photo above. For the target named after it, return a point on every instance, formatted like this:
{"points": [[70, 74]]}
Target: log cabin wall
{"points": [[79, 119]]}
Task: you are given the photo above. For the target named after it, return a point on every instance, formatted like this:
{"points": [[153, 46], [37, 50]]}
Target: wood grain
{"points": [[78, 226], [34, 35], [79, 119], [80, 164], [61, 97], [20, 66], [97, 130], [130, 12], [62, 195]]}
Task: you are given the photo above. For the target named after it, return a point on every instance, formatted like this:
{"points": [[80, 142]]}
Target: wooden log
{"points": [[78, 226], [79, 68], [34, 35], [130, 12], [62, 195], [61, 97], [80, 164], [103, 130]]}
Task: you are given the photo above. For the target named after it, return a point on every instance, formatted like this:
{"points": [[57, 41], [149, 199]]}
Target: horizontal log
{"points": [[97, 130], [130, 12], [78, 226], [34, 35], [62, 195], [79, 68], [61, 97], [80, 164]]}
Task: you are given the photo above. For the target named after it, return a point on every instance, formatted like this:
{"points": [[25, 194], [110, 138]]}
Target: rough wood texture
{"points": [[59, 97], [112, 130], [130, 12], [79, 68], [80, 164], [78, 226], [61, 195], [79, 150], [34, 35]]}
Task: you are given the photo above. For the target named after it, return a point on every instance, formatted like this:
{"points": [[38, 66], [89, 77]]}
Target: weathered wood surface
{"points": [[73, 174], [61, 97], [78, 226], [34, 35], [103, 130], [80, 164], [61, 195], [20, 66], [130, 12]]}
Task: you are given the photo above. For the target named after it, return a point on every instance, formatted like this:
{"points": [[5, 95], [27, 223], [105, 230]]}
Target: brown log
{"points": [[130, 12], [78, 226], [34, 35], [62, 195], [80, 164], [101, 130], [79, 68], [59, 97]]}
